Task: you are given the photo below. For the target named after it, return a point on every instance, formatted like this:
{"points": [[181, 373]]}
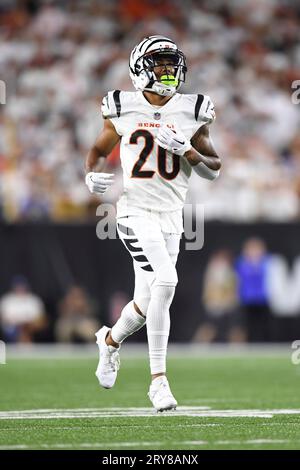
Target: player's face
{"points": [[164, 66]]}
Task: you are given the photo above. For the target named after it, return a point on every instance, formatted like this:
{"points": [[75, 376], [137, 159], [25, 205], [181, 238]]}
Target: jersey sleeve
{"points": [[111, 108], [204, 111]]}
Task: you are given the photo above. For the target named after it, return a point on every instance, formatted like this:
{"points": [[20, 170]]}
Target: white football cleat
{"points": [[161, 395], [109, 360]]}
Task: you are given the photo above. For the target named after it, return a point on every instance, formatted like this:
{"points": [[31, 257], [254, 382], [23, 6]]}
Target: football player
{"points": [[164, 136]]}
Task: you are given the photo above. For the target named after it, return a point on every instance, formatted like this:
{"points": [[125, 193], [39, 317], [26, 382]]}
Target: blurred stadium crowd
{"points": [[59, 58]]}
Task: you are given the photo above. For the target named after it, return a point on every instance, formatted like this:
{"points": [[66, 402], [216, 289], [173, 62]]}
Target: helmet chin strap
{"points": [[162, 89]]}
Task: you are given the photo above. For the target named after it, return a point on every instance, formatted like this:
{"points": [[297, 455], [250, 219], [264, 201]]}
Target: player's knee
{"points": [[141, 305], [166, 275]]}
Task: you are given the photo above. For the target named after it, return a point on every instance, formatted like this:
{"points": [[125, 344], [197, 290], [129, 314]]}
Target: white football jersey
{"points": [[153, 178]]}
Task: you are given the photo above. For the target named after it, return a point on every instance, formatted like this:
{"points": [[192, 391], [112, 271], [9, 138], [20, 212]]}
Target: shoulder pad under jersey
{"points": [[201, 107], [117, 103]]}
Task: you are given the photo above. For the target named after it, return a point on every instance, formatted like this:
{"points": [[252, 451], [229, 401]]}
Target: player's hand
{"points": [[173, 140], [98, 183]]}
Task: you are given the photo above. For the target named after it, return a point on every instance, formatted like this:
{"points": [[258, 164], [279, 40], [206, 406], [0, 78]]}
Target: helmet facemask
{"points": [[172, 66]]}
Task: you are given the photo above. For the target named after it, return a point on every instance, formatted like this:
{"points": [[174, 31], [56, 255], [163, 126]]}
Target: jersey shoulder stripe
{"points": [[197, 105], [111, 104], [117, 103], [116, 97]]}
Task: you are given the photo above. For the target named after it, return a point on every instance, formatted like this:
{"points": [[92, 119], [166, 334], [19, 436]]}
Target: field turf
{"points": [[250, 401]]}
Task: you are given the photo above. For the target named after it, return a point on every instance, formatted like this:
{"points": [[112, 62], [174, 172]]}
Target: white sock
{"points": [[129, 322], [158, 326]]}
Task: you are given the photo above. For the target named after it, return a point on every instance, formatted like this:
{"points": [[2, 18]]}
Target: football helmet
{"points": [[149, 54]]}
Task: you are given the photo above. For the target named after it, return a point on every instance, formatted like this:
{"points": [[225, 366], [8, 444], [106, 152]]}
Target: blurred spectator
{"points": [[76, 322], [222, 320], [117, 302], [22, 313], [252, 272], [59, 58]]}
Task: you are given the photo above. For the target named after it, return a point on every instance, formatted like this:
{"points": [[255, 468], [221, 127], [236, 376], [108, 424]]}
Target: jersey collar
{"points": [[171, 101]]}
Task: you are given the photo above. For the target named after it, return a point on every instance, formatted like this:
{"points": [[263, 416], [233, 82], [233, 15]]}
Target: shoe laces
{"points": [[112, 359], [163, 390]]}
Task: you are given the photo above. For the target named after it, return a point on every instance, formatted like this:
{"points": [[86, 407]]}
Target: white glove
{"points": [[98, 182], [173, 140]]}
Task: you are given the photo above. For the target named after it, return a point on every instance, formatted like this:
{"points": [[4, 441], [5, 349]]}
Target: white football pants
{"points": [[154, 254]]}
